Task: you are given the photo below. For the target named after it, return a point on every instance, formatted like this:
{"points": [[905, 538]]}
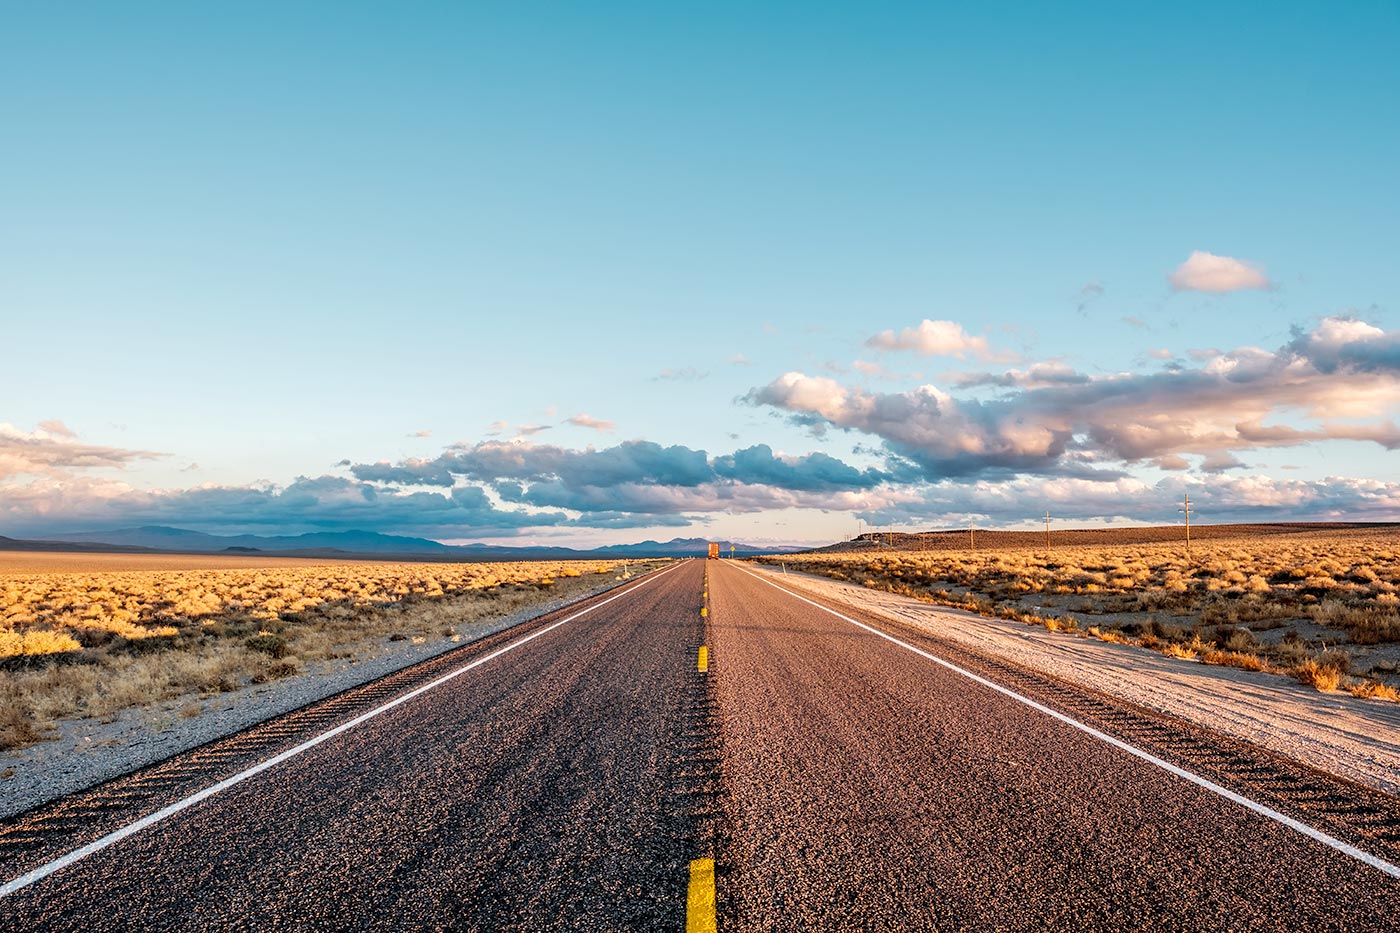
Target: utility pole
{"points": [[971, 538], [1186, 511], [1047, 534], [891, 537]]}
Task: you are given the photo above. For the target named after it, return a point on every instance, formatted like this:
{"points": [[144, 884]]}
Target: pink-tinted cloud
{"points": [[939, 338], [1221, 498], [1207, 272], [54, 448], [1339, 380], [584, 420]]}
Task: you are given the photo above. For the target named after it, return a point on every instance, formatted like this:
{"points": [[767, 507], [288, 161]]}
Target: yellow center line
{"points": [[702, 663], [700, 901]]}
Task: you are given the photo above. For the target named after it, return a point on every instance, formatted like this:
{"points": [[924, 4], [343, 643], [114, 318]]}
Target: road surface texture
{"points": [[869, 788], [580, 772], [536, 791]]}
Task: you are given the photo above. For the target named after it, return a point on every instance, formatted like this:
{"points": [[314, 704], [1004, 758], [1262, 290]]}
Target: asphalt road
{"points": [[839, 781]]}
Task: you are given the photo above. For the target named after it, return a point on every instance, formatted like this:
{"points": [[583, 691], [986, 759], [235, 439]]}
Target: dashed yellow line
{"points": [[700, 901], [702, 662]]}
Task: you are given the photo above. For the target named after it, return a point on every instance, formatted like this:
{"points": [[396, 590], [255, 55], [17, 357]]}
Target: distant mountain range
{"points": [[157, 538]]}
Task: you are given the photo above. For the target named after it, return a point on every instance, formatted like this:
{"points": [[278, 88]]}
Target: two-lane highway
{"points": [[805, 771]]}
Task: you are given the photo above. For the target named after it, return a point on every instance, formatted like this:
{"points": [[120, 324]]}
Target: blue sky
{"points": [[256, 243]]}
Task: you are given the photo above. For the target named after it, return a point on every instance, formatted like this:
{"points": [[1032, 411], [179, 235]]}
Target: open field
{"points": [[91, 635], [26, 562], [1320, 605]]}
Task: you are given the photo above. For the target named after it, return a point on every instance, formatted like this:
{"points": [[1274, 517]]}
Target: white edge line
{"points": [[1331, 841], [97, 845]]}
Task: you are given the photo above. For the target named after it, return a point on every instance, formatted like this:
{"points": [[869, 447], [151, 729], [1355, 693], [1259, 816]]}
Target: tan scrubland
{"points": [[77, 639], [1320, 605]]}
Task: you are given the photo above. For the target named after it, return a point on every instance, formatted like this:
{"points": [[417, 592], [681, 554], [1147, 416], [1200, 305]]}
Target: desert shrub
{"points": [[1241, 659], [1374, 689], [1318, 676], [270, 644]]}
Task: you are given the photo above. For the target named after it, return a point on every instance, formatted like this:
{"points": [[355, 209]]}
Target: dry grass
{"points": [[1312, 604], [94, 643]]}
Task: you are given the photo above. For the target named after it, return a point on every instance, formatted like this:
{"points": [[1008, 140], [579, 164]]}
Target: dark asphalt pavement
{"points": [[840, 781], [868, 788]]}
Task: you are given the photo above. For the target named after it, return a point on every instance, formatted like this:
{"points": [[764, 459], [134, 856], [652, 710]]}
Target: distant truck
{"points": [[714, 551]]}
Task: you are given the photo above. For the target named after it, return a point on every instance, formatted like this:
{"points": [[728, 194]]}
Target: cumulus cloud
{"points": [[938, 338], [810, 473], [1341, 373], [1207, 272], [53, 448], [584, 420], [327, 503], [639, 477], [1219, 498]]}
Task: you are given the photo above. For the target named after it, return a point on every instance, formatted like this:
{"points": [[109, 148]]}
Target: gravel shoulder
{"points": [[88, 752], [1354, 738]]}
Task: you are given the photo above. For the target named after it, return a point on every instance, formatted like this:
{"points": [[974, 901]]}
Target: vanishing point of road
{"points": [[702, 747]]}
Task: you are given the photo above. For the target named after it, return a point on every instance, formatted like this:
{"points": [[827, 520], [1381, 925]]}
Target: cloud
{"points": [[1338, 378], [1088, 294], [526, 430], [497, 428], [640, 477], [1216, 499], [813, 472], [1040, 374], [54, 448], [938, 338], [583, 420], [1348, 344], [326, 503], [423, 433], [1207, 272], [685, 374], [738, 359], [875, 371]]}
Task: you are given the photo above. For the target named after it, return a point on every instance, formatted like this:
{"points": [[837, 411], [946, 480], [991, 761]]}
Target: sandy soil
{"points": [[1344, 735]]}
